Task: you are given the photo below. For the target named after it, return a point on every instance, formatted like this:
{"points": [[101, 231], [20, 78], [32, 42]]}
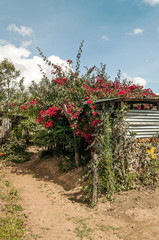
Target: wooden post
{"points": [[131, 106], [95, 179], [76, 150], [122, 104]]}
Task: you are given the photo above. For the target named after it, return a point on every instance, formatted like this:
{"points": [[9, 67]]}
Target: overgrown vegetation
{"points": [[123, 162], [106, 169]]}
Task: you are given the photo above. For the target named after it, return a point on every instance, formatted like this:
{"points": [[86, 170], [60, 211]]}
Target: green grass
{"points": [[81, 230], [12, 227], [84, 230]]}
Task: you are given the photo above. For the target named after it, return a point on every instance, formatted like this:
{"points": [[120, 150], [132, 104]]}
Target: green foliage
{"points": [[147, 162], [132, 162], [28, 124], [59, 137], [123, 162], [18, 131], [14, 149], [106, 174], [122, 149], [28, 127], [11, 85]]}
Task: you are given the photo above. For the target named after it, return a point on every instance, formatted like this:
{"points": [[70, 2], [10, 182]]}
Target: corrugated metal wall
{"points": [[144, 122]]}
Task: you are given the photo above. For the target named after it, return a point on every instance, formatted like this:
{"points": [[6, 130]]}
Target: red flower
{"points": [[94, 113], [138, 107], [87, 98], [48, 124], [61, 81], [69, 61], [89, 101]]}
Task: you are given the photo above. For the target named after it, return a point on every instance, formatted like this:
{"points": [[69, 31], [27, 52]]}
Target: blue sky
{"points": [[123, 34]]}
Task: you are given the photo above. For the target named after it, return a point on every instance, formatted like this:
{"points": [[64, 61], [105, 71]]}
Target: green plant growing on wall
{"points": [[147, 167], [123, 146], [106, 173]]}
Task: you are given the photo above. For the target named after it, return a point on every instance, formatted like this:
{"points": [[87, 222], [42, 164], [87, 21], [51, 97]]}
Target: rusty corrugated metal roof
{"points": [[141, 100]]}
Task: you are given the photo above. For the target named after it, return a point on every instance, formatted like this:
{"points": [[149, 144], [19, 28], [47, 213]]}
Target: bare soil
{"points": [[53, 206]]}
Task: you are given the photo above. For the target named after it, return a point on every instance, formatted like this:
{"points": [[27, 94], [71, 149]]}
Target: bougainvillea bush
{"points": [[67, 118], [69, 97]]}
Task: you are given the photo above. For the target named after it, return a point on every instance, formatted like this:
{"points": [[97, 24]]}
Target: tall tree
{"points": [[11, 85]]}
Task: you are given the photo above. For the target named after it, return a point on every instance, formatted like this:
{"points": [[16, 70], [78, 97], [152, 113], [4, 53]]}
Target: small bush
{"points": [[14, 149]]}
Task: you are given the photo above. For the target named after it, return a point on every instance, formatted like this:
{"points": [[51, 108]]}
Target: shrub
{"points": [[14, 149]]}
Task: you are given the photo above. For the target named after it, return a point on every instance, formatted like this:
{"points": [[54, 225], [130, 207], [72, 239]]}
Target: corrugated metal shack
{"points": [[142, 114]]}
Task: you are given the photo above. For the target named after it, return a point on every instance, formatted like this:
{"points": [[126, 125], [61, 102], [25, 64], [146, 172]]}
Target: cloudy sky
{"points": [[124, 34]]}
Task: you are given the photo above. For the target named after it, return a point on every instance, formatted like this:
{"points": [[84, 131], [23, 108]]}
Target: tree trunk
{"points": [[76, 150], [95, 179], [77, 161]]}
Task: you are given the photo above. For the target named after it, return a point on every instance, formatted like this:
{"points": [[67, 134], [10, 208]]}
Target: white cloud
{"points": [[136, 31], [105, 38], [136, 80], [3, 42], [151, 2], [29, 66], [12, 52], [22, 30], [26, 44]]}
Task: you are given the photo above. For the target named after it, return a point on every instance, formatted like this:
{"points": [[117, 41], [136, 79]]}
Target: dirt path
{"points": [[53, 215]]}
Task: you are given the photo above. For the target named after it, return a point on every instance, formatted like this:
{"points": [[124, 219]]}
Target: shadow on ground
{"points": [[47, 169]]}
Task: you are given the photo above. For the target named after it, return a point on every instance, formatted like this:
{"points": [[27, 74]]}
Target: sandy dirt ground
{"points": [[54, 209]]}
